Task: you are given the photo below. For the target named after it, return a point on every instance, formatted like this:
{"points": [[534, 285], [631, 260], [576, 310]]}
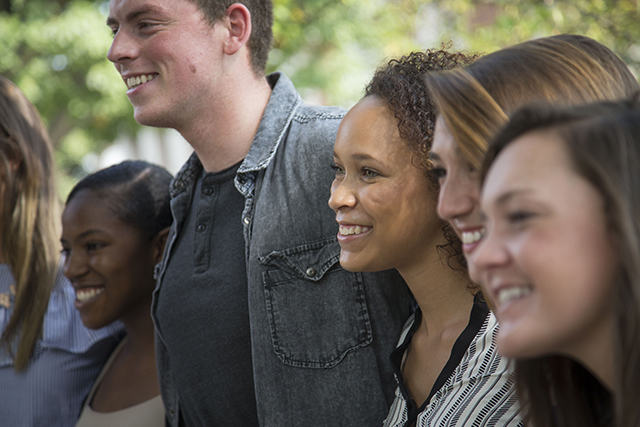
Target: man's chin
{"points": [[147, 118]]}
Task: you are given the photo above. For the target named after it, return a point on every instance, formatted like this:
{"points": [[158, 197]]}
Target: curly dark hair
{"points": [[401, 83]]}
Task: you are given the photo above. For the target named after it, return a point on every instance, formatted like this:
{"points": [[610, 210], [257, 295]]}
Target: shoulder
{"points": [[313, 129], [319, 115]]}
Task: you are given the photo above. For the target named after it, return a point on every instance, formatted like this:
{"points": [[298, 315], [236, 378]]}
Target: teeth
{"points": [[83, 295], [472, 236], [138, 80], [354, 229], [511, 294]]}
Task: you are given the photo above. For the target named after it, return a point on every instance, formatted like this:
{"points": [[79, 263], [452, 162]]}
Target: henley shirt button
{"points": [[247, 220], [311, 271], [201, 228], [208, 191]]}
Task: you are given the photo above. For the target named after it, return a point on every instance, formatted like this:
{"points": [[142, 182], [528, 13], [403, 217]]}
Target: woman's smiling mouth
{"points": [[347, 230]]}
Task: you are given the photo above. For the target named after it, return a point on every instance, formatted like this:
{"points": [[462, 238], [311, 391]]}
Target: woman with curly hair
{"points": [[446, 364]]}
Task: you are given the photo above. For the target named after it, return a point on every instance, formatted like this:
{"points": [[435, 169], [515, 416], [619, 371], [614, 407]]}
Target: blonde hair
{"points": [[29, 216], [475, 102]]}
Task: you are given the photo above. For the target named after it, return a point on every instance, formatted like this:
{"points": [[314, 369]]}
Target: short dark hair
{"points": [[603, 143], [136, 191], [261, 22]]}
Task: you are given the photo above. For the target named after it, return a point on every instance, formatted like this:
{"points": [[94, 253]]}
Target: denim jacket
{"points": [[321, 336]]}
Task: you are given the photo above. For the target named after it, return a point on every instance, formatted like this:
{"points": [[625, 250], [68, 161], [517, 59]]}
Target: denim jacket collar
{"points": [[277, 115]]}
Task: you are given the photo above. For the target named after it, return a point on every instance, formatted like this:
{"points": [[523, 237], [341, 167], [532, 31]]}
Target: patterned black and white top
{"points": [[475, 388]]}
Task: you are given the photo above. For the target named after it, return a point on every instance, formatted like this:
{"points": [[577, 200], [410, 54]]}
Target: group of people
{"points": [[475, 264]]}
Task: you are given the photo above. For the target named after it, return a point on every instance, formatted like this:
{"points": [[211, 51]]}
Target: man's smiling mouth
{"points": [[133, 82]]}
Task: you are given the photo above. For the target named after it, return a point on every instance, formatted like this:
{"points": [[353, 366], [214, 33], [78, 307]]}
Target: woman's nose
{"points": [[341, 195], [73, 266], [490, 254], [457, 198]]}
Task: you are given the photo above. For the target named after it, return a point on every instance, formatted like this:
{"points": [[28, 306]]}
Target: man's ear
{"points": [[238, 22], [158, 244]]}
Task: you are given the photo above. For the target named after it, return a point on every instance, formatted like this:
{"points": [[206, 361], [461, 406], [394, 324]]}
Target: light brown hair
{"points": [[29, 216], [475, 102]]}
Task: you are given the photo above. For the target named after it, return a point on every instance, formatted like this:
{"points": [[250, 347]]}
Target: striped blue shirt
{"points": [[65, 363]]}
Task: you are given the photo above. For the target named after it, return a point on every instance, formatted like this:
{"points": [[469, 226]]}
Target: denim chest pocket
{"points": [[317, 311]]}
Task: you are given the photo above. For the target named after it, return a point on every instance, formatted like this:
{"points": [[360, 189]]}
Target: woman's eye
{"points": [[369, 173], [337, 169], [438, 172], [517, 217], [92, 246], [65, 252]]}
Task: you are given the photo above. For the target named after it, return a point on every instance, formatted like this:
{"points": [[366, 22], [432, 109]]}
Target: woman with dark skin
{"points": [[115, 224], [447, 368]]}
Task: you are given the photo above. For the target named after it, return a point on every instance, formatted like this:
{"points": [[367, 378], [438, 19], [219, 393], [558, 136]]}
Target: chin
{"points": [[147, 118], [355, 266], [92, 323], [516, 349]]}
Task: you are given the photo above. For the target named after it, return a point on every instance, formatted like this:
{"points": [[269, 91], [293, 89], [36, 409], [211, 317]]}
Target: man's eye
{"points": [[145, 25]]}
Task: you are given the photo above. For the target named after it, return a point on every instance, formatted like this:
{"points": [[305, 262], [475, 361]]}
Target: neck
{"points": [[442, 293], [596, 353], [223, 132], [139, 327]]}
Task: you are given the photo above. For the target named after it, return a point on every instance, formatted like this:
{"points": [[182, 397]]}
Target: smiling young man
{"points": [[256, 323]]}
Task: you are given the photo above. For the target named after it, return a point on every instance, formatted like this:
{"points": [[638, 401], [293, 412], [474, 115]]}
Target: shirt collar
{"points": [[272, 128]]}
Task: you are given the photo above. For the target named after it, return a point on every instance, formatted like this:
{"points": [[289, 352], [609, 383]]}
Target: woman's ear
{"points": [[158, 244]]}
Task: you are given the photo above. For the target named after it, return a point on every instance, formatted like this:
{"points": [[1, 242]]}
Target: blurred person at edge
{"points": [[48, 359], [114, 227], [447, 367], [561, 259], [256, 322]]}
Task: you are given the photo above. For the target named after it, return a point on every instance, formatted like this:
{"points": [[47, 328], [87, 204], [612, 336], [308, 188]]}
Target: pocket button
{"points": [[311, 272]]}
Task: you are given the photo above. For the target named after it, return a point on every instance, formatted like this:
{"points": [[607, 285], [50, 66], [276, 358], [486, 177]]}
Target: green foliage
{"points": [[55, 50], [56, 53], [615, 23], [331, 47]]}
